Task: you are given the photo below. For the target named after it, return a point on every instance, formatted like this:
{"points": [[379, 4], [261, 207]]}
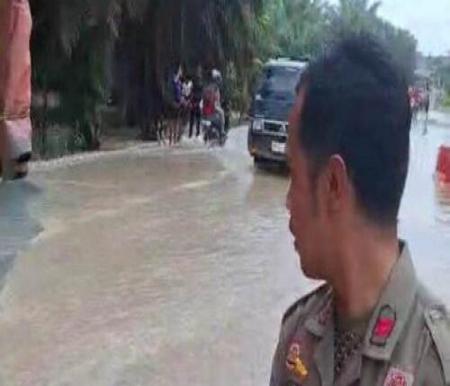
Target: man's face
{"points": [[308, 222]]}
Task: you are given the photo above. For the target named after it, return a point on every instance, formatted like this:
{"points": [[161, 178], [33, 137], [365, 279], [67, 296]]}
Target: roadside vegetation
{"points": [[100, 63]]}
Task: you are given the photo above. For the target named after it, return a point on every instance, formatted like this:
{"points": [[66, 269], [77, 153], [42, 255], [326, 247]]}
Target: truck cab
{"points": [[270, 107]]}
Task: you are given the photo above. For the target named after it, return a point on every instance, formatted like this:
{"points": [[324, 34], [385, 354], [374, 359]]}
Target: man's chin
{"points": [[304, 266], [308, 270]]}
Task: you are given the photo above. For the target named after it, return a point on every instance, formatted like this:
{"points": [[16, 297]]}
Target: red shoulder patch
{"points": [[384, 326]]}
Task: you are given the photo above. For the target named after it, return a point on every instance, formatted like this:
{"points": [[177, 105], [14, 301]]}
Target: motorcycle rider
{"points": [[212, 109]]}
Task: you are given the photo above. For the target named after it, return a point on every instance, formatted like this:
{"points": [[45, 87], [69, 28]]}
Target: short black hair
{"points": [[356, 105]]}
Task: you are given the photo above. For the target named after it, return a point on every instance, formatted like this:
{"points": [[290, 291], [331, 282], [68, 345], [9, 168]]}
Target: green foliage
{"points": [[209, 33], [70, 46], [290, 28], [360, 16]]}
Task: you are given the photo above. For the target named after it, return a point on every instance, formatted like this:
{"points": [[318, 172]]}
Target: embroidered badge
{"points": [[384, 326], [397, 377], [294, 362]]}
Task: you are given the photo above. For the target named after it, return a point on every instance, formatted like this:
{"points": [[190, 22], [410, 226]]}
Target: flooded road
{"points": [[168, 266]]}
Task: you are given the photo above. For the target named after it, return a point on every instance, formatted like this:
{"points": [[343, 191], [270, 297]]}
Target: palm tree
{"points": [[194, 32], [82, 49], [356, 16], [358, 13], [71, 46], [353, 16], [140, 40]]}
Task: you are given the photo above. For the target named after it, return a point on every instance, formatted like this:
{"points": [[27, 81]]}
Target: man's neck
{"points": [[365, 266]]}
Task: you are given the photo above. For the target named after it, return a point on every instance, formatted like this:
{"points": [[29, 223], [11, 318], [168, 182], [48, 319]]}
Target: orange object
{"points": [[15, 79], [443, 164]]}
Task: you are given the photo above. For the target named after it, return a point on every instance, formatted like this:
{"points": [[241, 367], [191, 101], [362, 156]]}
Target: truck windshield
{"points": [[279, 81]]}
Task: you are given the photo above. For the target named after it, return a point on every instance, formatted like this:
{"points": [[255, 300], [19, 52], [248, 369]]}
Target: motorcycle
{"points": [[211, 133]]}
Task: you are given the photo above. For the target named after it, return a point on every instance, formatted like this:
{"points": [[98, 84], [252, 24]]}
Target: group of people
{"points": [[189, 99]]}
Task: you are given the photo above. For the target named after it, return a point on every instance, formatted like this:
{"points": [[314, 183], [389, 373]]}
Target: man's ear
{"points": [[336, 183]]}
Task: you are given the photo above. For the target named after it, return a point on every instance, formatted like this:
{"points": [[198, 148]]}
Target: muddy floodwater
{"points": [[169, 267]]}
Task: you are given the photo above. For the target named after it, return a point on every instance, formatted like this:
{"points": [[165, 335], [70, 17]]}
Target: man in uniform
{"points": [[371, 323]]}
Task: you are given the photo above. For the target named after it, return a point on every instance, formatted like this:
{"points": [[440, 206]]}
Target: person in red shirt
{"points": [[211, 108]]}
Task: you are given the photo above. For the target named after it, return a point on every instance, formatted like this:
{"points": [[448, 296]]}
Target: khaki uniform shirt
{"points": [[407, 341]]}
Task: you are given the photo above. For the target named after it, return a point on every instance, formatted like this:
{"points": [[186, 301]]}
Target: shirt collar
{"points": [[389, 317], [322, 315]]}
